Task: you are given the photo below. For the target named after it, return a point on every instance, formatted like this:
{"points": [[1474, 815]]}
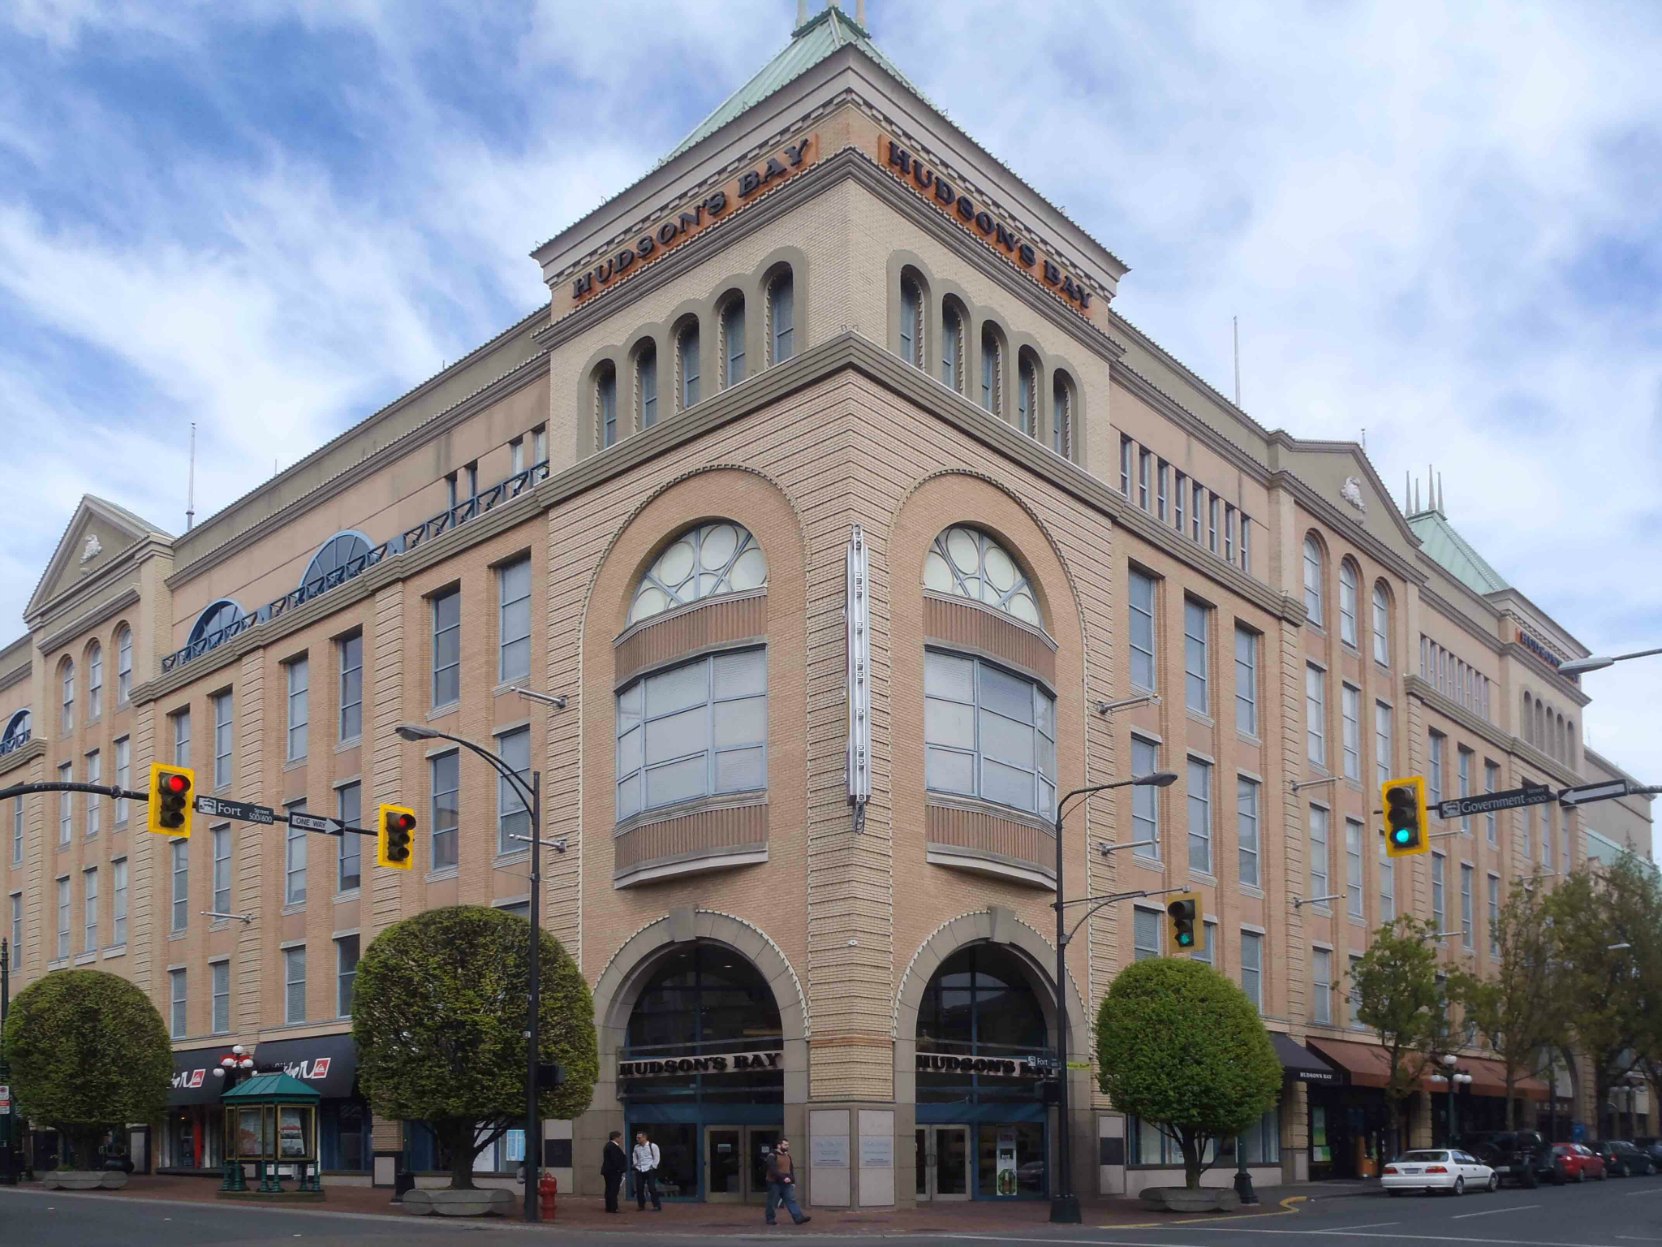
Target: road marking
{"points": [[1655, 1190], [1366, 1225], [1404, 1237], [1489, 1212]]}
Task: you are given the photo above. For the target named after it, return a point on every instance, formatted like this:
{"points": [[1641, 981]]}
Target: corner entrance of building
{"points": [[736, 1162], [943, 1162]]}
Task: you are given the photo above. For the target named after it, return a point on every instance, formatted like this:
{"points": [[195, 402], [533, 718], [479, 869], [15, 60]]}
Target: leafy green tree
{"points": [[1181, 1047], [1399, 998], [88, 1052], [1518, 1008], [438, 1013]]}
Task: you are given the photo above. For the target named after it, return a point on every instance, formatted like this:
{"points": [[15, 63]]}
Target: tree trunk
{"points": [[1511, 1099], [456, 1138], [1192, 1146]]}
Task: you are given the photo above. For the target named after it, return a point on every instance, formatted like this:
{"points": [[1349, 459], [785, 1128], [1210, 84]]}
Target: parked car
{"points": [[1651, 1147], [1522, 1157], [1574, 1162], [1623, 1160], [1439, 1169]]}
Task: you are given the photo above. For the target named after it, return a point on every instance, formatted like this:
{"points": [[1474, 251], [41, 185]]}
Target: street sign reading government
{"points": [[1511, 799]]}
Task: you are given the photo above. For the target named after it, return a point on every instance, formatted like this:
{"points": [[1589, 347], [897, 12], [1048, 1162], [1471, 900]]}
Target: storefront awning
{"points": [[1368, 1065], [326, 1063], [1489, 1078], [193, 1076], [1300, 1064]]}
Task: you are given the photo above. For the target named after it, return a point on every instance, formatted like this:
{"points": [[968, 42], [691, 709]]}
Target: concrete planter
{"points": [[443, 1202], [1182, 1199], [84, 1180]]}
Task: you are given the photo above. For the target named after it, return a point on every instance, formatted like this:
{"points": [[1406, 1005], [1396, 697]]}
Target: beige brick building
{"points": [[828, 379]]}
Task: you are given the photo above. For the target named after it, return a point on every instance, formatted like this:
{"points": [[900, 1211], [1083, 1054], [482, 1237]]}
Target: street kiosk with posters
{"points": [[271, 1121]]}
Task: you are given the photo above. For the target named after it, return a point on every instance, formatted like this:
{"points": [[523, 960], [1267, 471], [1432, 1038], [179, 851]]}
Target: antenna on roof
{"points": [[1408, 491], [801, 13], [1235, 329], [190, 487], [1442, 509], [860, 12]]}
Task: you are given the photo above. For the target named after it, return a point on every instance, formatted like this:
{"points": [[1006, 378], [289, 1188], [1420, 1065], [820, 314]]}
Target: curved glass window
{"points": [[968, 563], [213, 626], [337, 560], [1313, 580], [988, 733], [701, 563], [703, 998], [17, 732]]}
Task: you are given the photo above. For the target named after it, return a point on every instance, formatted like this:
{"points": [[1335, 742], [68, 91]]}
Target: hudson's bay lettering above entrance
{"points": [[988, 1066], [696, 216], [974, 217], [725, 1063]]}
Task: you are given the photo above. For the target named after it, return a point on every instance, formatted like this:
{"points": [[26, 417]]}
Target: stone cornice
{"points": [[85, 623], [36, 748], [16, 676], [1416, 687], [1448, 610], [1171, 409], [1555, 683]]}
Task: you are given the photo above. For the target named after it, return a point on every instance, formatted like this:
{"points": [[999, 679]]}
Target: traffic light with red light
{"points": [[168, 810], [395, 837], [1403, 801], [1186, 931]]}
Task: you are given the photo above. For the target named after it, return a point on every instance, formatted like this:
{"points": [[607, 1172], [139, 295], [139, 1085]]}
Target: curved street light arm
{"points": [[501, 767]]}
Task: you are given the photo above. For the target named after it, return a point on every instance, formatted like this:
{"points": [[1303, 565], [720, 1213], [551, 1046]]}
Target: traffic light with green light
{"points": [[1403, 801], [1183, 924], [168, 811]]}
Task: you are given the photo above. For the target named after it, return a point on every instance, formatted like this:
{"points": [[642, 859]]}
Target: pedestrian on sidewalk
{"points": [[782, 1184], [646, 1159], [613, 1165]]}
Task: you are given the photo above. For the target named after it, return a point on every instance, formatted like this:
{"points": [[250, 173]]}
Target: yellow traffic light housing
{"points": [[1406, 820], [1187, 933], [395, 837], [168, 811]]}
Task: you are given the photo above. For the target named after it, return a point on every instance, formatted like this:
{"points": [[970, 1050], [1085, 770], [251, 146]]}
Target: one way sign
{"points": [[1601, 791]]}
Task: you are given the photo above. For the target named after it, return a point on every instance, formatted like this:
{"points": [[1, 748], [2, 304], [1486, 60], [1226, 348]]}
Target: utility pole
{"points": [[8, 1109]]}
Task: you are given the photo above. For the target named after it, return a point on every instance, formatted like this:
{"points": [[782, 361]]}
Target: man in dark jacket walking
{"points": [[614, 1163], [782, 1184]]}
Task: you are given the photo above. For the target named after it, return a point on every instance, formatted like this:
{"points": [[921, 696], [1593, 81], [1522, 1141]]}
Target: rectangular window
{"points": [[1200, 816], [1315, 714], [1321, 986], [1197, 499], [1526, 825], [1252, 968], [123, 778], [1434, 780], [1494, 915], [516, 455], [1212, 523], [180, 720], [1383, 756], [447, 647], [1353, 868], [446, 780], [66, 804], [295, 851], [300, 681], [1180, 493], [118, 902], [1207, 955], [512, 818], [223, 733], [1246, 680], [89, 910], [1463, 777], [18, 813], [95, 804], [1145, 933], [1246, 547], [17, 931], [1466, 919], [180, 859], [176, 1003], [1126, 454], [294, 984], [1438, 873], [349, 653], [513, 630], [1491, 783], [1160, 491], [221, 838], [1320, 878], [1143, 670], [349, 809], [1145, 799], [1246, 828], [1196, 656], [346, 973], [1350, 712], [1228, 533], [221, 972], [63, 917], [1387, 885], [1145, 469]]}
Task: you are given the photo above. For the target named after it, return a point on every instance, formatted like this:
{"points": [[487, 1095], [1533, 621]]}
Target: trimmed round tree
{"points": [[1180, 1046], [438, 1014], [88, 1053]]}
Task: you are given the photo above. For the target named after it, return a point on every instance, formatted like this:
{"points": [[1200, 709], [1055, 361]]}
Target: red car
{"points": [[1572, 1162]]}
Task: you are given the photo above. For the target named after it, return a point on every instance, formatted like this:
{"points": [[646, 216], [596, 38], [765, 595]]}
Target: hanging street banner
{"points": [[1511, 799]]}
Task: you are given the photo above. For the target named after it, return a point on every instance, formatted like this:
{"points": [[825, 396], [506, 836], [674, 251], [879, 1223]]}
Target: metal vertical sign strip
{"points": [[857, 615]]}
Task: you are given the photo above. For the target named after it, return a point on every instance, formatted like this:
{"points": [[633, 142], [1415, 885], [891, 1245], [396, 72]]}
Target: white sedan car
{"points": [[1453, 1171]]}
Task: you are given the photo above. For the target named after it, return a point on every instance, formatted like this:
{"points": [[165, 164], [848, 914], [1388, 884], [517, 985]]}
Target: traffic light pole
{"points": [[533, 1048], [8, 1149]]}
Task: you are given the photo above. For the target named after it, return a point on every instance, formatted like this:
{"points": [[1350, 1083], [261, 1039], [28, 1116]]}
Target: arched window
{"points": [[1381, 625], [1027, 395], [337, 560], [123, 665], [687, 364], [1348, 580], [1569, 741], [1528, 719], [781, 317], [732, 341], [605, 404], [992, 371], [952, 346], [1558, 739], [17, 732], [215, 626], [911, 321], [1540, 724], [95, 681], [1061, 417], [968, 563], [646, 385], [701, 563], [66, 686], [1313, 579]]}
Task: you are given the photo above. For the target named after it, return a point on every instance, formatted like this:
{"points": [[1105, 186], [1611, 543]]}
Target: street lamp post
{"points": [[1456, 1079], [531, 796], [1064, 1204], [1580, 666], [8, 1158]]}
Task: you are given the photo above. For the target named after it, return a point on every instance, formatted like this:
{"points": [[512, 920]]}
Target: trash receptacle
{"points": [[402, 1181]]}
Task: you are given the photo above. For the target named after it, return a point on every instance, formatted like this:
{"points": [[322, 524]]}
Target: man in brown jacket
{"points": [[782, 1184]]}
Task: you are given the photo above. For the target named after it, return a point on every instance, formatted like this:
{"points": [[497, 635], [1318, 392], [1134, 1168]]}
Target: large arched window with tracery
{"points": [[17, 732], [967, 562], [337, 560], [702, 562], [214, 626]]}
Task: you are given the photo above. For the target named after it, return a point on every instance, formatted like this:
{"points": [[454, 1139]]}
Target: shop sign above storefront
{"points": [[723, 1063], [986, 1066]]}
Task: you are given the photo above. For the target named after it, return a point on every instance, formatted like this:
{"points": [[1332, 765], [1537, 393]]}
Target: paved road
{"points": [[1618, 1213]]}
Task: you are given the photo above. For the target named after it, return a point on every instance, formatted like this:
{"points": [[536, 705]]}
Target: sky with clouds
{"points": [[1436, 222]]}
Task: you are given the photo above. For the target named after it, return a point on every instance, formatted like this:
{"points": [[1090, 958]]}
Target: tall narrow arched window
{"points": [[781, 317], [732, 341], [1348, 581], [123, 665], [992, 371], [911, 321], [646, 385], [952, 346], [1381, 625], [66, 689], [1313, 579], [687, 365], [1540, 724], [1061, 418], [605, 404], [1027, 395], [95, 680], [1528, 719]]}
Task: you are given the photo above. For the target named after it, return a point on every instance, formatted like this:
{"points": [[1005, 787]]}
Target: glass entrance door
{"points": [[735, 1162], [943, 1154]]}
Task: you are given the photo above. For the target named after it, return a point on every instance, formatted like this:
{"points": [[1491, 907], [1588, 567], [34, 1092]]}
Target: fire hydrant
{"points": [[548, 1191]]}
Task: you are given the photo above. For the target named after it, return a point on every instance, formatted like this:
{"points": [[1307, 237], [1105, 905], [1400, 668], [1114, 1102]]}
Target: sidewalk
{"points": [[587, 1212]]}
